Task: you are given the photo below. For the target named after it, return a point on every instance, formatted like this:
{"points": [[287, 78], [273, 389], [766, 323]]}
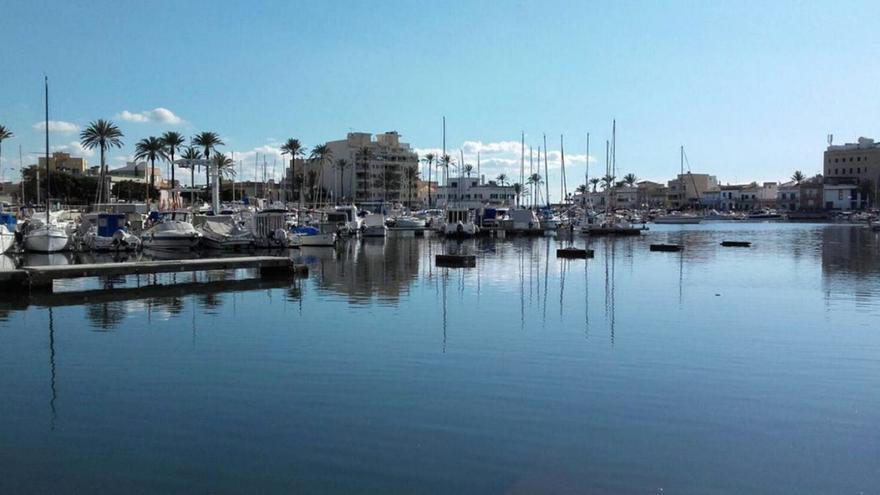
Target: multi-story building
{"points": [[63, 162], [860, 160], [810, 194], [686, 189], [471, 192], [138, 172], [730, 197], [842, 193], [651, 194], [624, 196], [374, 168], [788, 196], [711, 198]]}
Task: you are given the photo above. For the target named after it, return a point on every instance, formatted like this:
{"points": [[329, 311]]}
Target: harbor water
{"points": [[711, 370]]}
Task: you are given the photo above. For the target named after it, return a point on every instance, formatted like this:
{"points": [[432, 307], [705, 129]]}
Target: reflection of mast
{"points": [[586, 299], [52, 367], [445, 281], [546, 269]]}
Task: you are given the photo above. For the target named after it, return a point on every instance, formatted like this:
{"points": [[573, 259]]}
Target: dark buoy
{"points": [[574, 253], [666, 248], [456, 260], [736, 244]]}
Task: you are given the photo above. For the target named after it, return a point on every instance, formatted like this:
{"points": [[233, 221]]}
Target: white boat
{"points": [[676, 218], [7, 239], [764, 214], [7, 232], [353, 222], [224, 232], [171, 232], [459, 223], [313, 236], [46, 238], [374, 225], [269, 228], [407, 222], [109, 233], [523, 221]]}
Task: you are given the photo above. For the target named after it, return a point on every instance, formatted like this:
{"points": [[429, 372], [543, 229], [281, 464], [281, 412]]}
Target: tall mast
{"points": [[445, 167], [531, 171], [587, 170], [522, 160], [562, 162], [546, 173], [614, 148], [681, 159], [47, 150], [479, 177]]}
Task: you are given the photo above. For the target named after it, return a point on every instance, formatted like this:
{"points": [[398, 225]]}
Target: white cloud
{"points": [[158, 114], [75, 149], [57, 126]]}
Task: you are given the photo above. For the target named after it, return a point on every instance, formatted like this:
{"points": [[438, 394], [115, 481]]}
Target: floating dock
{"points": [[574, 253], [736, 244], [41, 277], [456, 260], [666, 248]]}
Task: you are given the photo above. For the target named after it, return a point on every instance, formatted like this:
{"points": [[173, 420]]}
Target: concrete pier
{"points": [[41, 277]]}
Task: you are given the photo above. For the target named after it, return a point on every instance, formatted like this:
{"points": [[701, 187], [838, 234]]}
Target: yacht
{"points": [[109, 233], [678, 218], [224, 232], [524, 221], [269, 228], [374, 225], [764, 214], [307, 236], [459, 223], [353, 222], [46, 237], [171, 231], [7, 232]]}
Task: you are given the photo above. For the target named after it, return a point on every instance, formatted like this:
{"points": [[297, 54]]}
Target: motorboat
{"points": [[224, 232], [764, 214], [8, 224], [353, 222], [608, 224], [407, 222], [523, 221], [171, 231], [110, 234], [549, 220], [459, 223], [374, 225], [307, 235], [269, 228], [678, 218]]}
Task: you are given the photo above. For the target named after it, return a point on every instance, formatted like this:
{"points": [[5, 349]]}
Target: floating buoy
{"points": [[456, 260], [574, 253], [665, 247], [736, 244]]}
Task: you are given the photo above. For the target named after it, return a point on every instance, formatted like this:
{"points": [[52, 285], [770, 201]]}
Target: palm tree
{"points": [[607, 181], [341, 165], [468, 169], [581, 189], [535, 181], [101, 134], [295, 149], [411, 174], [595, 183], [630, 179], [502, 179], [190, 153], [445, 162], [4, 135], [208, 141], [364, 155], [517, 189], [151, 148], [225, 168], [798, 177], [429, 159], [321, 154], [173, 142]]}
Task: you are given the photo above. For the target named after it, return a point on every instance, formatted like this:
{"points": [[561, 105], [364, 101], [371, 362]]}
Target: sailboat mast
{"points": [[47, 150], [546, 173], [522, 159], [531, 171], [587, 170], [614, 148], [446, 164], [562, 162]]}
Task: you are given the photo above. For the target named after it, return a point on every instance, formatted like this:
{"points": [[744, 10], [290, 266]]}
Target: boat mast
{"points": [[531, 171], [47, 151], [522, 160], [562, 162], [587, 170], [546, 172]]}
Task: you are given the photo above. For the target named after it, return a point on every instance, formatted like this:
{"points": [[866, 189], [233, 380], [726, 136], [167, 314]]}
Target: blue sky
{"points": [[751, 89]]}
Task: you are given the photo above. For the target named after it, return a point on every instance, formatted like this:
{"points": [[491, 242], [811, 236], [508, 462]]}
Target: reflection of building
{"points": [[471, 192], [849, 261], [63, 162], [367, 269]]}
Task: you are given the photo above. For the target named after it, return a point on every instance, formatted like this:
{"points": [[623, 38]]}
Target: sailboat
{"points": [[679, 218], [48, 237], [7, 232]]}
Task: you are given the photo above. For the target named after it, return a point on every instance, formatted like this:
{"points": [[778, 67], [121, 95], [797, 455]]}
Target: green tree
{"points": [[502, 179], [468, 169], [534, 180], [341, 165], [101, 134], [411, 174], [429, 160], [173, 142], [152, 149], [208, 141], [321, 154], [630, 179], [595, 183], [581, 189], [607, 181], [5, 134], [295, 149], [133, 191], [517, 190], [225, 168], [798, 177]]}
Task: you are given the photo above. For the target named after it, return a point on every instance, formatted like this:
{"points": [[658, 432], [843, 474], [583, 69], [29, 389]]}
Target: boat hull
{"points": [[170, 243], [43, 240], [7, 239]]}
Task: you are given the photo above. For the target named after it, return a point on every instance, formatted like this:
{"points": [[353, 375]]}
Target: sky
{"points": [[750, 89]]}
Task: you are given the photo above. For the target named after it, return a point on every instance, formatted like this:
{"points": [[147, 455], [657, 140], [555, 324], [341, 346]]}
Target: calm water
{"points": [[716, 370]]}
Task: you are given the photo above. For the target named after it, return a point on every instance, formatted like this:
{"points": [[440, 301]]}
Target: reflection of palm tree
{"points": [[106, 316], [210, 301]]}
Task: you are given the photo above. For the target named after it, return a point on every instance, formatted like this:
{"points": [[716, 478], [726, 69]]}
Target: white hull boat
{"points": [[678, 220], [50, 238], [374, 225], [171, 235], [223, 232], [7, 239], [121, 240]]}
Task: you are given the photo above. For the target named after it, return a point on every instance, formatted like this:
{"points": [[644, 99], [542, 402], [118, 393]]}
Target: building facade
{"points": [[63, 162], [686, 189], [472, 192]]}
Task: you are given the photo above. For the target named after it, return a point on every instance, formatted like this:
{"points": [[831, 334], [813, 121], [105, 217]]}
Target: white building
{"points": [[842, 194], [373, 170], [471, 192], [135, 171], [788, 196]]}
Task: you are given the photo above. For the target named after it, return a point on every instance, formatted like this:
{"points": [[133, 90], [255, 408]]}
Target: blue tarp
{"points": [[306, 230]]}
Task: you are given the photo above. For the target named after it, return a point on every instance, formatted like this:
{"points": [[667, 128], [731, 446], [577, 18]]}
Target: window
{"points": [[835, 160], [840, 194]]}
